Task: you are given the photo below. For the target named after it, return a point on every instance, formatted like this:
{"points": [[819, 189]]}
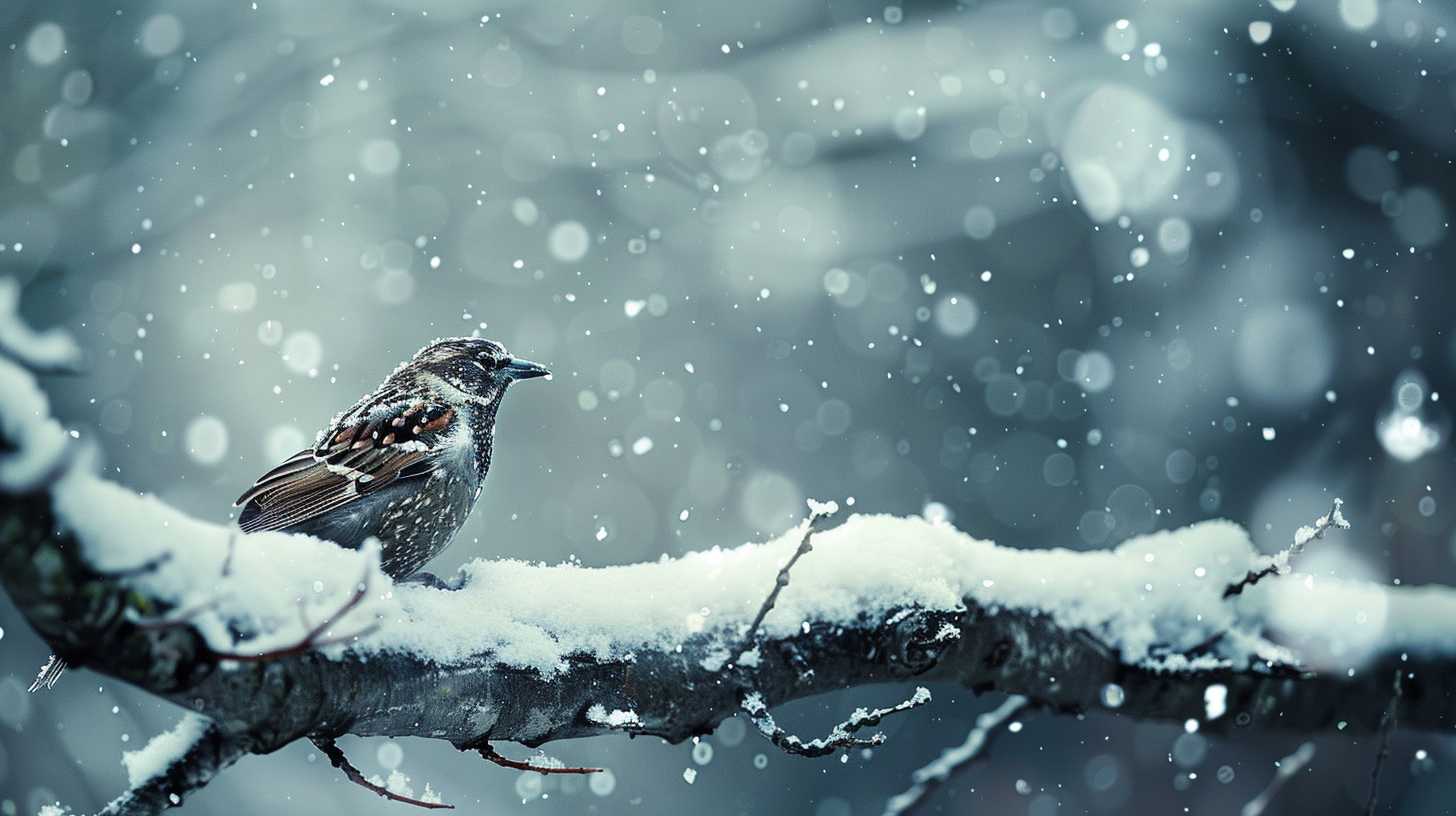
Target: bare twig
{"points": [[314, 638], [492, 755], [1287, 768], [840, 736], [817, 513], [1279, 564], [227, 562], [1387, 727], [336, 757], [925, 780]]}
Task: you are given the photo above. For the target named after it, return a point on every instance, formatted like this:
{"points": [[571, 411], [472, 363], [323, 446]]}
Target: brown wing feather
{"points": [[353, 460]]}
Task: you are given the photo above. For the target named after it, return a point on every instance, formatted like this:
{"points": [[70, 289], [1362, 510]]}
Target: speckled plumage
{"points": [[405, 464]]}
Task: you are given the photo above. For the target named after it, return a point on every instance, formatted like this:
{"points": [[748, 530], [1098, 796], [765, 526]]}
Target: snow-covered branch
{"points": [[271, 638], [173, 764]]}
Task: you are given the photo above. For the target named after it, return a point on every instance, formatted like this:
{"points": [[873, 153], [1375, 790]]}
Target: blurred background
{"points": [[1060, 273]]}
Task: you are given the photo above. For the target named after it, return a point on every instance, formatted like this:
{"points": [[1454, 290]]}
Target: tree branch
{"points": [[503, 657], [1279, 564], [1285, 770], [1387, 727]]}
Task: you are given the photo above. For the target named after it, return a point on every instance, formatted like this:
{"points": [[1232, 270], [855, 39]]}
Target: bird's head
{"points": [[478, 367]]}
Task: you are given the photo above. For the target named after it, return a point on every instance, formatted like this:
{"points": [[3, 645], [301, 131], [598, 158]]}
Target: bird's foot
{"points": [[433, 581]]}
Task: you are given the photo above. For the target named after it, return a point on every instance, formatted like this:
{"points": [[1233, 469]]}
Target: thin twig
{"points": [[336, 757], [1387, 727], [313, 639], [840, 736], [227, 561], [1287, 768], [492, 755], [1279, 564], [925, 780], [817, 513]]}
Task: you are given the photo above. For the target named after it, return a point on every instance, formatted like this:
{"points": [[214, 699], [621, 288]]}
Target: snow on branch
{"points": [[172, 764], [271, 638]]}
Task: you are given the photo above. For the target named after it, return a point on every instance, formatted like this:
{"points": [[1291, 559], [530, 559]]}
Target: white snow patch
{"points": [[44, 349], [822, 508], [1215, 701], [164, 749], [617, 719], [25, 422]]}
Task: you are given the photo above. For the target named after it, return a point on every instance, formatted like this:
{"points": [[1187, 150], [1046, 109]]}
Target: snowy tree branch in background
{"points": [[1287, 768], [926, 780], [51, 351], [1387, 727], [221, 624], [536, 765]]}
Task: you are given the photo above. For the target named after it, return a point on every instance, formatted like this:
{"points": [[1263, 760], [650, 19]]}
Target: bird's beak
{"points": [[518, 369]]}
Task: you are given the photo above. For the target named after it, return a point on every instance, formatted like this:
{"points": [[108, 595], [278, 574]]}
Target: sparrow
{"points": [[404, 465]]}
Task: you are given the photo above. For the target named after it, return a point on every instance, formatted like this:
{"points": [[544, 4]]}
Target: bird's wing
{"points": [[361, 453]]}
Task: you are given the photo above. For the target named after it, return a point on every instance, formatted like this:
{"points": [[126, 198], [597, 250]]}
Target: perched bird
{"points": [[405, 464]]}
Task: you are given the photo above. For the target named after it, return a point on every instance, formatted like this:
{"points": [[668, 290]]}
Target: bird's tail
{"points": [[49, 674]]}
